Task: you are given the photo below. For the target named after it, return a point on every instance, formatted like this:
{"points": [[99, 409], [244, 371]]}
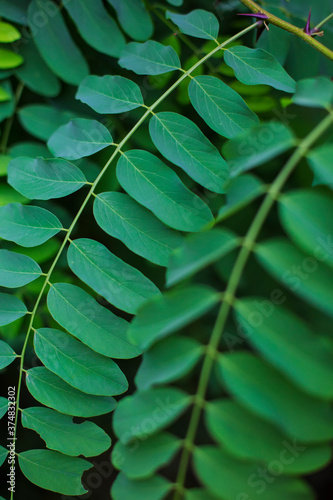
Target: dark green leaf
{"points": [[7, 108], [78, 365], [54, 471], [41, 179], [34, 72], [54, 42], [96, 26], [248, 437], [41, 121], [27, 226], [7, 355], [182, 142], [51, 390], [17, 270], [256, 66], [167, 361], [3, 454], [3, 406], [149, 58], [304, 275], [61, 434], [122, 285], [270, 333], [147, 412], [29, 149], [121, 217], [257, 146], [306, 217], [143, 460], [83, 317], [266, 392], [320, 161], [314, 92], [150, 182], [197, 252], [78, 138], [198, 23], [110, 94], [15, 11], [222, 473], [240, 192], [133, 18], [220, 106], [11, 308], [167, 313], [154, 488]]}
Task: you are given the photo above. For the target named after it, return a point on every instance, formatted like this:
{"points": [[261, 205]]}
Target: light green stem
{"points": [[229, 295], [290, 27], [91, 193]]}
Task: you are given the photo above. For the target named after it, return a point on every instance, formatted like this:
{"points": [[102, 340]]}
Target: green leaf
{"points": [[55, 44], [306, 217], [96, 26], [15, 11], [35, 73], [51, 390], [241, 191], [61, 434], [199, 494], [266, 392], [302, 274], [4, 161], [41, 121], [78, 138], [11, 308], [133, 18], [198, 23], [220, 106], [9, 59], [147, 412], [220, 472], [3, 406], [9, 195], [149, 58], [93, 324], [142, 461], [3, 455], [17, 270], [27, 226], [321, 165], [197, 252], [42, 253], [110, 94], [40, 179], [7, 355], [256, 66], [182, 142], [78, 365], [168, 360], [177, 3], [248, 437], [167, 313], [7, 108], [150, 182], [256, 146], [121, 284], [54, 471], [29, 149], [8, 33], [314, 92], [121, 217], [268, 330], [154, 488]]}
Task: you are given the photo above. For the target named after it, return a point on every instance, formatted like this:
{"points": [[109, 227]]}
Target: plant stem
{"points": [[324, 21], [9, 122], [290, 27], [91, 193], [229, 295]]}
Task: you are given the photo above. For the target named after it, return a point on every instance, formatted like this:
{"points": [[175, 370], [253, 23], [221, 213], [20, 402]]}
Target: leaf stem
{"points": [[91, 193], [324, 21], [290, 27], [229, 295]]}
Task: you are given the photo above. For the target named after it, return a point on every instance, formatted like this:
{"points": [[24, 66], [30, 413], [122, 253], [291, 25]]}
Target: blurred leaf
{"points": [[320, 161], [51, 390], [133, 18], [314, 92], [240, 192], [153, 488], [9, 59]]}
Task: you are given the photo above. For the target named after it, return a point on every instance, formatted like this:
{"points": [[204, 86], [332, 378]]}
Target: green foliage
{"points": [[131, 228]]}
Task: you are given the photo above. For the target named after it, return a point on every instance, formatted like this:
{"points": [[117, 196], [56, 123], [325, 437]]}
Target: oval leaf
{"points": [[17, 270], [78, 365], [7, 355], [321, 165], [122, 285], [11, 308], [149, 58], [133, 18], [182, 142], [198, 23]]}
